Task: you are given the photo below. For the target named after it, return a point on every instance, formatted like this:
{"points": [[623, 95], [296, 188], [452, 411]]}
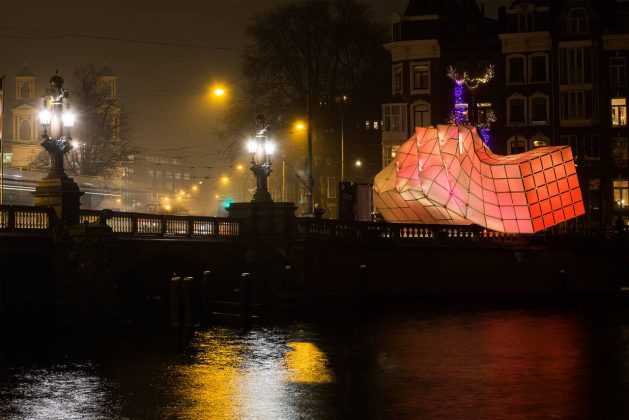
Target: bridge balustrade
{"points": [[25, 219], [166, 225]]}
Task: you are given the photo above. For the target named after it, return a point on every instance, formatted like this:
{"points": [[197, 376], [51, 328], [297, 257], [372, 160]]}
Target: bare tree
{"points": [[318, 50], [102, 136]]}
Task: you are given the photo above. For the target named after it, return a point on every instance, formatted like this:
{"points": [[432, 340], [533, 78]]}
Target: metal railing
{"points": [[41, 219]]}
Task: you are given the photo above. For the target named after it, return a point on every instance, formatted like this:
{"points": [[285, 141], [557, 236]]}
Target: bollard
{"points": [[563, 281], [245, 295], [186, 303], [207, 298], [287, 279], [174, 301], [364, 278]]}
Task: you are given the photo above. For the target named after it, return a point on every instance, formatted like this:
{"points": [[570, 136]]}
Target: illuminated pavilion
{"points": [[447, 175]]}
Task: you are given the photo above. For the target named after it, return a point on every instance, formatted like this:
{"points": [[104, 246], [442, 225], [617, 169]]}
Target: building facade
{"points": [[560, 79]]}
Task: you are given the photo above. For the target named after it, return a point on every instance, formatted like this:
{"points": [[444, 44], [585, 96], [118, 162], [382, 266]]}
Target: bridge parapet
{"points": [[400, 232], [26, 219], [41, 219]]}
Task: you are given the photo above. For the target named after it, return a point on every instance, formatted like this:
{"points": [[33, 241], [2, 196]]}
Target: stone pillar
{"points": [[62, 194], [266, 228]]}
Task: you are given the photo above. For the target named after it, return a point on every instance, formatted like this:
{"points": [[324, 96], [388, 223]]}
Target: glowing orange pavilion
{"points": [[447, 175]]}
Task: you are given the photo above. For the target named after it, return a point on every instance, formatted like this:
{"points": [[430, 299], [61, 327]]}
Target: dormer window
{"points": [[578, 22], [524, 21]]}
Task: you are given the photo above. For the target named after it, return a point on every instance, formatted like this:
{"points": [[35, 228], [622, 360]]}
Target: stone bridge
{"points": [[126, 260]]}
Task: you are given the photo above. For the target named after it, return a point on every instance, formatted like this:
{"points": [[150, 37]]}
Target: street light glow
{"points": [[269, 147], [252, 146], [68, 119], [219, 91], [358, 163], [44, 116]]}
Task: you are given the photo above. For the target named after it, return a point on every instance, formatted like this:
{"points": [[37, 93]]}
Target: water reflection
{"points": [[56, 392], [430, 364]]}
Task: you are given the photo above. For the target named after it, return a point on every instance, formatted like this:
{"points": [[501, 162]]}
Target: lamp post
{"points": [[57, 190], [261, 149]]}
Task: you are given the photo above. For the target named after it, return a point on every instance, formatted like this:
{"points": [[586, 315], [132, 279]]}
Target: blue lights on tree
{"points": [[461, 112]]}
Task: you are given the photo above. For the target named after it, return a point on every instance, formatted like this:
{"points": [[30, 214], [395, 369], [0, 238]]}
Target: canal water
{"points": [[445, 360]]}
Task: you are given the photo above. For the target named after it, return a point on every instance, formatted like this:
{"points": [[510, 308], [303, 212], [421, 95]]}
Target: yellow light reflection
{"points": [[307, 364], [209, 388]]}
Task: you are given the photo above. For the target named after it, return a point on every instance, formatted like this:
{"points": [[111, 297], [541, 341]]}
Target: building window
{"points": [[591, 146], [571, 140], [485, 113], [421, 77], [394, 117], [539, 110], [620, 152], [516, 110], [621, 193], [524, 21], [517, 146], [186, 176], [576, 105], [515, 69], [25, 129], [619, 112], [376, 125], [577, 21], [7, 158], [539, 140], [397, 31], [575, 65], [397, 80], [538, 68], [332, 184], [388, 155], [617, 71], [421, 115]]}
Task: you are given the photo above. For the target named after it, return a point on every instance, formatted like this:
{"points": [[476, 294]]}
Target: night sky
{"points": [[163, 81]]}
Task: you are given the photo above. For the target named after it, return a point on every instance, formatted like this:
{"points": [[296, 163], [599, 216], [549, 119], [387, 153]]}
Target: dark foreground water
{"points": [[437, 361]]}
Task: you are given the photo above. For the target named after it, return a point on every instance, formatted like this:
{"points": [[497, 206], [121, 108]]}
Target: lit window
{"points": [[186, 176], [367, 125], [619, 112], [540, 143], [621, 193], [376, 125], [577, 21]]}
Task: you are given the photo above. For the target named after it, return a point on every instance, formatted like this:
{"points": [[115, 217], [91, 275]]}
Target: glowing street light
{"points": [[53, 119], [262, 148]]}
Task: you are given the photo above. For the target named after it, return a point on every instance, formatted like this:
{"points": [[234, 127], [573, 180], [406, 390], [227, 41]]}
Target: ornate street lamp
{"points": [[57, 190], [261, 149], [54, 118]]}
